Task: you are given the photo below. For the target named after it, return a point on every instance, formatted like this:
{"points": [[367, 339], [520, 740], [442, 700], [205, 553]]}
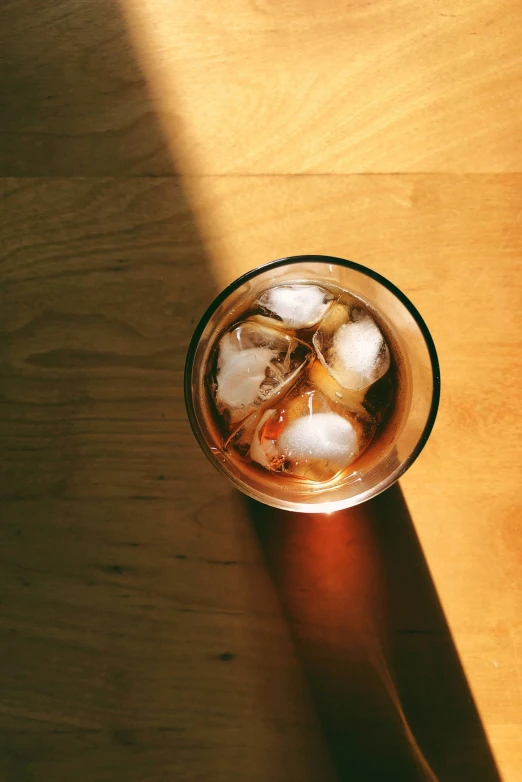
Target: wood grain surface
{"points": [[154, 624]]}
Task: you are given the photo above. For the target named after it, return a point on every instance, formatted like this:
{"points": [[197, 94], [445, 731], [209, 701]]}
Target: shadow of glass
{"points": [[382, 668]]}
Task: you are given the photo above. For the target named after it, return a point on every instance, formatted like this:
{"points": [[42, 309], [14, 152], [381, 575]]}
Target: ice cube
{"points": [[297, 306], [322, 379], [323, 437], [306, 436], [255, 364], [355, 353], [336, 317], [264, 320]]}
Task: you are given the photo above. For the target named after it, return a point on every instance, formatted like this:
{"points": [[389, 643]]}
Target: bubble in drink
{"points": [[302, 383], [254, 363]]}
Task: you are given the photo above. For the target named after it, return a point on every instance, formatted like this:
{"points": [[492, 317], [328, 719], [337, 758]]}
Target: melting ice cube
{"points": [[297, 306], [306, 436], [323, 437], [355, 353], [254, 364]]}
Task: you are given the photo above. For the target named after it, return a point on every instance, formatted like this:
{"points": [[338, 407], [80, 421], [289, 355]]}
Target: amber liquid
{"points": [[374, 411]]}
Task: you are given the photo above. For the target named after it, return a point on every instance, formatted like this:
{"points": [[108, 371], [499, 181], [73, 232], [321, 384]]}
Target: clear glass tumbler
{"points": [[411, 422]]}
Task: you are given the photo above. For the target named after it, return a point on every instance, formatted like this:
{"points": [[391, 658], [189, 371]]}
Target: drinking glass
{"points": [[417, 396]]}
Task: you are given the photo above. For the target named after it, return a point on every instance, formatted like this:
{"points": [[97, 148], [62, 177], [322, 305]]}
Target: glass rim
{"points": [[327, 260]]}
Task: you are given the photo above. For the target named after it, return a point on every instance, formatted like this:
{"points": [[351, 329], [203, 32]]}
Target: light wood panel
{"points": [[154, 625], [130, 566], [333, 87], [260, 87]]}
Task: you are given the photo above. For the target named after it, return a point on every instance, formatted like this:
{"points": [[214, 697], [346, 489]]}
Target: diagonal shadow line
{"points": [[382, 668]]}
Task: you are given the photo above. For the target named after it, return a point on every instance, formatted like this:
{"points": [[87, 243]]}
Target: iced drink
{"points": [[312, 383], [302, 382]]}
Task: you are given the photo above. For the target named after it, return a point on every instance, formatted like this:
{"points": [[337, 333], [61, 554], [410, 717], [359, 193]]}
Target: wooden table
{"points": [[154, 625]]}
